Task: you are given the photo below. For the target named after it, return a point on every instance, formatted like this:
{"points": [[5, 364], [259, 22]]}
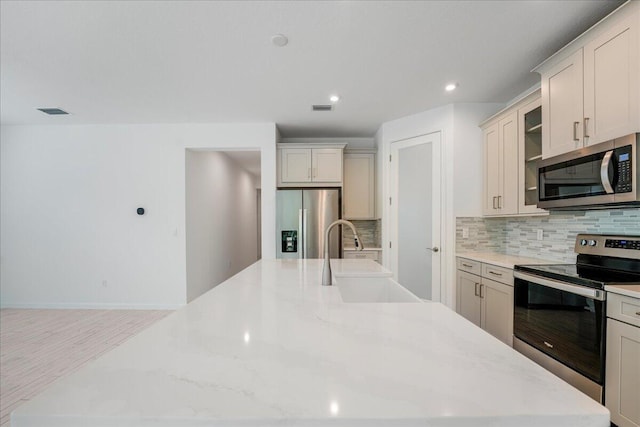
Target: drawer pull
{"points": [[495, 274], [467, 265], [548, 345], [637, 313], [476, 293]]}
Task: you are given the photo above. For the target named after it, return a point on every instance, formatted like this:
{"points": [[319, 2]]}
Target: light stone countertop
{"points": [[504, 260], [628, 290], [272, 347]]}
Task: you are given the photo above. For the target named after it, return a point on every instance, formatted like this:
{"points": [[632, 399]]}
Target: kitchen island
{"points": [[271, 347]]}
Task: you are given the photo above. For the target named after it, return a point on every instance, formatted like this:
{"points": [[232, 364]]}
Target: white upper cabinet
{"points": [[295, 165], [611, 83], [562, 106], [501, 166], [512, 146], [306, 166], [359, 186], [326, 165], [591, 88]]}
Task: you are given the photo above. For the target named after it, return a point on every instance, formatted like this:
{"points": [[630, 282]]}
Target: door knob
{"points": [[434, 249]]}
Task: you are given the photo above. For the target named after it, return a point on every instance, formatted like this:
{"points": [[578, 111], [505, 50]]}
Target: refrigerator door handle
{"points": [[301, 237], [304, 233]]}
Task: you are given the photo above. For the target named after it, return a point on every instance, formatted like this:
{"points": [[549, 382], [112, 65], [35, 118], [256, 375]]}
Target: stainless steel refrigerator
{"points": [[302, 217]]}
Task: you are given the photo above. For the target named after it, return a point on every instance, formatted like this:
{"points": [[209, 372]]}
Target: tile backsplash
{"points": [[368, 230], [518, 235]]}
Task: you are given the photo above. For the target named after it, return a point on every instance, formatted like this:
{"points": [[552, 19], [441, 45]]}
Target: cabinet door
{"points": [[295, 165], [562, 106], [529, 152], [497, 310], [622, 382], [611, 83], [508, 197], [359, 186], [493, 170], [468, 301], [326, 165]]}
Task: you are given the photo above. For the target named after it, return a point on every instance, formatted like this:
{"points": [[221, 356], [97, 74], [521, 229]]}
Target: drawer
{"points": [[469, 266], [499, 274], [372, 255], [623, 308]]}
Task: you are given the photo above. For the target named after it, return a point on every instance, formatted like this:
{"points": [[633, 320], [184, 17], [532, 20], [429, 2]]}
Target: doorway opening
{"points": [[222, 216]]}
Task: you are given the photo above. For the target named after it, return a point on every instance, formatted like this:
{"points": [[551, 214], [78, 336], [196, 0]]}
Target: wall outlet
{"points": [[465, 232], [539, 234]]}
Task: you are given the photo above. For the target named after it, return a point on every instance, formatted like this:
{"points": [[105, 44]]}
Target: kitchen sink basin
{"points": [[373, 289]]}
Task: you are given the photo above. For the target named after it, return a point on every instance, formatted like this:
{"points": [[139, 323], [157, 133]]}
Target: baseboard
{"points": [[93, 306]]}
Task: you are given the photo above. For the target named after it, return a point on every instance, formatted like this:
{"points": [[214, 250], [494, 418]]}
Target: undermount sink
{"points": [[373, 289]]}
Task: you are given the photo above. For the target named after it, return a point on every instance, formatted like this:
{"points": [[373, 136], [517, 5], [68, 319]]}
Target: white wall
{"points": [[221, 220], [461, 172], [69, 232], [468, 157]]}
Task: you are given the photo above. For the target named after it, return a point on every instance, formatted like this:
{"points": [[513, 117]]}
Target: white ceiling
{"points": [[212, 61]]}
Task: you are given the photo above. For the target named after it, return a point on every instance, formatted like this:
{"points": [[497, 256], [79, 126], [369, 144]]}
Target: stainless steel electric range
{"points": [[559, 313]]}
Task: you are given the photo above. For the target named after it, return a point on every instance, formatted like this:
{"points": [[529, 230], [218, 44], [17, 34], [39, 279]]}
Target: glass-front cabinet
{"points": [[530, 151]]}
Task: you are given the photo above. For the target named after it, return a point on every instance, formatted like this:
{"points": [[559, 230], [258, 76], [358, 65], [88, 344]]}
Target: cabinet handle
{"points": [[585, 128], [481, 294], [495, 274], [494, 202], [475, 291], [575, 131], [467, 265], [499, 202]]}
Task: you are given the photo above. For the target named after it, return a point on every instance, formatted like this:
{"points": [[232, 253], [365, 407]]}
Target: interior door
{"points": [[415, 214]]}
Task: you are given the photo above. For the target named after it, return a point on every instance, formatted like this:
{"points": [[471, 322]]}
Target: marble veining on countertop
{"points": [[272, 347], [504, 260], [628, 290]]}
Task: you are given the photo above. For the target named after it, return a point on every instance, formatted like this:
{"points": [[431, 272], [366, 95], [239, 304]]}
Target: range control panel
{"points": [[622, 244], [607, 245]]}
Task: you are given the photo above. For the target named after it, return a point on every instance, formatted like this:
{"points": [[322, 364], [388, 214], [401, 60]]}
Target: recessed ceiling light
{"points": [[334, 98], [450, 87], [279, 40], [53, 111]]}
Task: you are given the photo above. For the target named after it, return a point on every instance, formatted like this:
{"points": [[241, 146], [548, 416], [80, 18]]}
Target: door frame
{"points": [[437, 206]]}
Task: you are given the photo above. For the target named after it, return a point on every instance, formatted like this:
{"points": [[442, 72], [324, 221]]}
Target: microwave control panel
{"points": [[624, 170]]}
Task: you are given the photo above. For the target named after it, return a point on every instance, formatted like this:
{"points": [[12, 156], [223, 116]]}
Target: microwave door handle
{"points": [[604, 172]]}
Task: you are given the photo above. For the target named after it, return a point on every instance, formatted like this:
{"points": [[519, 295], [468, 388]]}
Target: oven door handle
{"points": [[584, 291]]}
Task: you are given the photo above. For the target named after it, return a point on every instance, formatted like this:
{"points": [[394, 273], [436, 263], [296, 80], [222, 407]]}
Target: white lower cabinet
{"points": [[497, 310], [485, 297], [622, 380]]}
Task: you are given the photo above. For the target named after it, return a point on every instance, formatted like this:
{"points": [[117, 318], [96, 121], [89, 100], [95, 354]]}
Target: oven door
{"points": [[563, 321]]}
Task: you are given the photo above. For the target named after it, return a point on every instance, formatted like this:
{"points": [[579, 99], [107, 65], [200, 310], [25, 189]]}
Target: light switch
{"points": [[465, 232]]}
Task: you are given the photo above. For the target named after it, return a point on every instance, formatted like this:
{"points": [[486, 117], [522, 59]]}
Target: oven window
{"points": [[565, 326], [575, 178]]}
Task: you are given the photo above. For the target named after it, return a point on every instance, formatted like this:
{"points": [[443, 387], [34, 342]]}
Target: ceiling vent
{"points": [[322, 107], [53, 111]]}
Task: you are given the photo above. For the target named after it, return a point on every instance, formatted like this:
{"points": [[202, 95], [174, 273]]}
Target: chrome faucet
{"points": [[326, 269]]}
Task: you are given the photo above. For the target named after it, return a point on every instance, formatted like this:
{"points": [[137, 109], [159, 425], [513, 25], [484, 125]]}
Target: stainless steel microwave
{"points": [[604, 175]]}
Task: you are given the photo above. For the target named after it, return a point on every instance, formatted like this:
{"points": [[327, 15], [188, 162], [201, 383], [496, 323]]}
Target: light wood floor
{"points": [[39, 346]]}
